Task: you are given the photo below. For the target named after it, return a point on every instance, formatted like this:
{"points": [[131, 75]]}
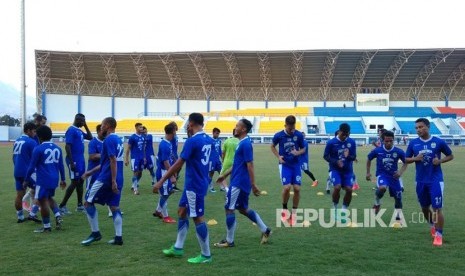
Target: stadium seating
{"points": [[226, 125], [356, 127], [126, 125], [393, 111], [449, 110], [267, 112], [271, 126], [408, 127]]}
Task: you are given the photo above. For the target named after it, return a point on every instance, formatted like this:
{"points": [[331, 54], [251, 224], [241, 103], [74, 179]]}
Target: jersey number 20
{"points": [[53, 155]]}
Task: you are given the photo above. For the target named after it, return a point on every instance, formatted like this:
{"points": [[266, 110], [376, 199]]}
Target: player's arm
{"points": [[172, 170], [276, 153], [352, 153], [402, 170], [368, 176], [114, 172], [61, 167], [250, 169], [91, 172], [88, 135], [126, 155], [31, 168], [222, 177], [447, 158], [327, 155], [94, 155]]}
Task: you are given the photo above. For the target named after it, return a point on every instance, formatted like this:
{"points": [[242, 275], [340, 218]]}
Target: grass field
{"points": [[312, 250]]}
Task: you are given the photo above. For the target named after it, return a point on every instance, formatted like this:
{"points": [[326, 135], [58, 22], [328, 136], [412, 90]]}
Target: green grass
{"points": [[312, 250]]}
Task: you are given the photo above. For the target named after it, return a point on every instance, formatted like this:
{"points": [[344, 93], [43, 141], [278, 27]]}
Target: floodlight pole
{"points": [[23, 66]]}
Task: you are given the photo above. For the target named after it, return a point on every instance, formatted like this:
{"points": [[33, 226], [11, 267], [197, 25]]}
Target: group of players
{"points": [[39, 165]]}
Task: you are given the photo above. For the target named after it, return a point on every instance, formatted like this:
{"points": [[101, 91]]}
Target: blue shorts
{"points": [[79, 169], [167, 186], [19, 182], [193, 202], [137, 165], [430, 194], [91, 180], [345, 179], [290, 174], [215, 166], [395, 186], [102, 193], [44, 193], [150, 161], [236, 199], [304, 166]]}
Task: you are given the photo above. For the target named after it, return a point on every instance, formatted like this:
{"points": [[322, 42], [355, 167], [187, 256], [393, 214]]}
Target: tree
{"points": [[7, 120]]}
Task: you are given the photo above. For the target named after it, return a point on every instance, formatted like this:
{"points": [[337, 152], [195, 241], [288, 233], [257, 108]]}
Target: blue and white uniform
{"points": [[386, 166], [290, 172], [149, 152], [74, 137], [241, 185], [215, 159], [196, 153], [304, 158], [174, 146], [165, 152], [334, 151], [429, 178], [22, 154], [137, 144], [47, 162], [101, 191], [95, 147]]}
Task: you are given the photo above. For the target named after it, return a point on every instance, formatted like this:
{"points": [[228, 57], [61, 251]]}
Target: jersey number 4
{"points": [[206, 152]]}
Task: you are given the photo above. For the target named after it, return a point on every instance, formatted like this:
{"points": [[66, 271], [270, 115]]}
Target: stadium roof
{"points": [[315, 75]]}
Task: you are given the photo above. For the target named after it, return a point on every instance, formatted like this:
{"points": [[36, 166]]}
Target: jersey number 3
{"points": [[206, 152]]}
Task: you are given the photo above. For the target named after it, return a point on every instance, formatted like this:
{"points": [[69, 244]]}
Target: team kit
{"points": [[39, 168]]}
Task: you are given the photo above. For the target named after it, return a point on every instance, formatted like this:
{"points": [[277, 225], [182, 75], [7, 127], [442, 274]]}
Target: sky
{"points": [[197, 25]]}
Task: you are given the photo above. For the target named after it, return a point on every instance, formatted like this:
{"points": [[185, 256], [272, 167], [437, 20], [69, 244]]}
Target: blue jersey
{"points": [[75, 138], [387, 160], [112, 147], [47, 162], [22, 154], [95, 146], [240, 174], [334, 151], [288, 142], [148, 140], [217, 146], [174, 145], [304, 157], [426, 172], [196, 152], [164, 154], [137, 146]]}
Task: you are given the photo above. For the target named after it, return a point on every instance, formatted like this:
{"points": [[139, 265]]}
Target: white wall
{"points": [[4, 130], [431, 104], [310, 104], [222, 105], [456, 104], [60, 108], [154, 105], [340, 104], [95, 108], [128, 107], [388, 122], [280, 104], [401, 104], [254, 104], [189, 106]]}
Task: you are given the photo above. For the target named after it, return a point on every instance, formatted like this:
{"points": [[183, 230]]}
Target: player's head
{"points": [[108, 126], [381, 132], [422, 127], [289, 124], [139, 128], [216, 132], [40, 120], [388, 139], [344, 131], [175, 125], [243, 127], [169, 131], [144, 130], [29, 129], [44, 133], [195, 122], [303, 133], [79, 120], [98, 128]]}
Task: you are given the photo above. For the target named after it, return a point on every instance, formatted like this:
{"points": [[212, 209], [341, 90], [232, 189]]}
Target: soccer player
{"points": [[174, 144], [291, 146], [387, 173], [379, 141], [75, 160], [136, 148], [304, 163], [242, 182], [149, 162], [196, 154], [47, 162], [39, 120], [215, 161], [340, 152], [426, 151], [94, 151], [22, 154], [227, 157], [108, 186], [165, 150]]}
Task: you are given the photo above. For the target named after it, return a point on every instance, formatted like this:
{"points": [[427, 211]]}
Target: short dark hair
{"points": [[387, 133], [111, 121], [215, 129], [290, 120], [248, 125], [169, 129], [28, 126], [196, 118], [44, 133], [98, 127], [423, 120], [79, 115], [174, 124], [137, 125], [39, 118], [344, 127], [144, 128]]}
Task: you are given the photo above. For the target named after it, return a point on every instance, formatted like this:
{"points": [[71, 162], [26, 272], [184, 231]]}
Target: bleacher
{"points": [[273, 125], [266, 112], [226, 125], [450, 110], [356, 127], [125, 125], [393, 111], [408, 127]]}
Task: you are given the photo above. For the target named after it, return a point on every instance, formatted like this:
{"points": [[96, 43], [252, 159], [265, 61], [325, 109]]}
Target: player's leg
{"points": [[196, 211], [20, 191], [42, 196], [69, 191], [436, 193], [243, 207], [424, 198], [381, 183], [336, 181], [95, 191], [56, 211], [211, 187], [229, 206], [117, 220], [177, 250], [165, 192], [80, 170]]}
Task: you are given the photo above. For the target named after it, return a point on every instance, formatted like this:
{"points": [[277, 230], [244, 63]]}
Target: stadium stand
{"points": [[224, 124], [356, 127], [267, 112], [273, 125], [393, 111], [408, 127], [449, 110]]}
